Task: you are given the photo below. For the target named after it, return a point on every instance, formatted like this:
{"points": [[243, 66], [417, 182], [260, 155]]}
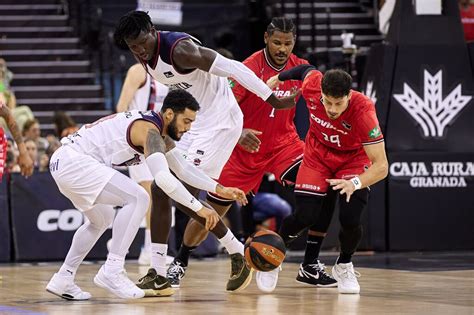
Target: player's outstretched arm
{"points": [[296, 73], [376, 172], [197, 178], [24, 161], [187, 55], [147, 136], [136, 77]]}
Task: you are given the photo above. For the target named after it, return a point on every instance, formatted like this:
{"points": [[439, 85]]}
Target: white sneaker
{"points": [[64, 287], [119, 284], [145, 257], [267, 281], [346, 278]]}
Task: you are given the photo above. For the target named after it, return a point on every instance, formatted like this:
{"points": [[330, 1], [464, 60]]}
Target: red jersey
{"points": [[467, 19], [357, 126], [277, 125]]}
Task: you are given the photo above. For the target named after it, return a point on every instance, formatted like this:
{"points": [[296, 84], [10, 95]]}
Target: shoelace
{"points": [[235, 266], [319, 267], [177, 269], [350, 273], [148, 277], [122, 278]]}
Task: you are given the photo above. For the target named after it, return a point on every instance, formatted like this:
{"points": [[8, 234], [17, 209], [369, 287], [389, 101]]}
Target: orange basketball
{"points": [[264, 250]]}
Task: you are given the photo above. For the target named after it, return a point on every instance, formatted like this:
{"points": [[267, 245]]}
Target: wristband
{"points": [[357, 183]]}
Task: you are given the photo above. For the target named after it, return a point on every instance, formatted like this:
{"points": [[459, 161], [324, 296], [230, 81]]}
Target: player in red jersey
{"points": [[269, 143], [24, 160], [344, 149]]}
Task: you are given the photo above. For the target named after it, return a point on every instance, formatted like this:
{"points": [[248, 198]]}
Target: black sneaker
{"points": [[240, 273], [154, 284], [175, 273], [314, 274]]}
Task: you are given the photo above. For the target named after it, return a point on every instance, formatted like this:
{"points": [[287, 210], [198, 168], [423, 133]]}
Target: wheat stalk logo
{"points": [[432, 112]]}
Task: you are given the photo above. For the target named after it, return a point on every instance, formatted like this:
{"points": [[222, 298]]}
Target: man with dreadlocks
{"points": [[269, 143], [180, 61]]}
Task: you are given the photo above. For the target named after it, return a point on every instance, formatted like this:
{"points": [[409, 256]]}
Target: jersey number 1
{"points": [[272, 114]]}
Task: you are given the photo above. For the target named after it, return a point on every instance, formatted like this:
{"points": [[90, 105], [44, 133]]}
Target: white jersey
{"points": [[150, 96], [218, 107], [108, 141]]}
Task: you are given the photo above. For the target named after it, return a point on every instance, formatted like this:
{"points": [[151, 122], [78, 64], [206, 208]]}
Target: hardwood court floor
{"points": [[383, 292]]}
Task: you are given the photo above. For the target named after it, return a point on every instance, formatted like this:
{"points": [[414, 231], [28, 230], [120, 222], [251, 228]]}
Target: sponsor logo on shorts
{"points": [[200, 152], [308, 187]]}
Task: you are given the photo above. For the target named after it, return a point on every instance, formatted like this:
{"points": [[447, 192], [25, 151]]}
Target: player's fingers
{"points": [[213, 224], [255, 132]]}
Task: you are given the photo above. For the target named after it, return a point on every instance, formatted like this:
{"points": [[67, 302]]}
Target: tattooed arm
{"points": [[24, 160]]}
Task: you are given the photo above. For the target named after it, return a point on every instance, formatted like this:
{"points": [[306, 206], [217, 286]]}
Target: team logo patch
{"points": [[197, 161], [231, 83], [168, 74], [346, 125], [374, 133]]}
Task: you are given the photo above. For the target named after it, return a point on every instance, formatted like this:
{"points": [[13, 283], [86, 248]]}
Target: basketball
{"points": [[264, 250]]}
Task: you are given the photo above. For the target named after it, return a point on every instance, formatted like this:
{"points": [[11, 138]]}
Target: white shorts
{"points": [[79, 177], [140, 173], [210, 150]]}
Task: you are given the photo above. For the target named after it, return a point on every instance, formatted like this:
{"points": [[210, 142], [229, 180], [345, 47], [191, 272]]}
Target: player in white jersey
{"points": [[141, 92], [180, 61], [82, 169]]}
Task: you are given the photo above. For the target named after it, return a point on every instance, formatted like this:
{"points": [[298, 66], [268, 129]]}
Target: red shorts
{"points": [[321, 162], [3, 152], [245, 170]]}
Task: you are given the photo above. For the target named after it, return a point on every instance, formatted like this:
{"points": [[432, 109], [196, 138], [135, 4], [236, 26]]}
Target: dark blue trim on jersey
{"points": [[167, 42], [154, 118], [150, 116]]}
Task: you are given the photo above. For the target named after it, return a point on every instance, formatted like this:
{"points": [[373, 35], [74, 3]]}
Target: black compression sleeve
{"points": [[296, 73]]}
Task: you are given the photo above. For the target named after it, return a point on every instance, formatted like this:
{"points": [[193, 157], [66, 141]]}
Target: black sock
{"points": [[344, 258], [184, 253], [313, 246]]}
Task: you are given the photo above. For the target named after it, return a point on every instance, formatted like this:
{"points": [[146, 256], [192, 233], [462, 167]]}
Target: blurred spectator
{"points": [[54, 144], [32, 131], [64, 124], [43, 165], [32, 150], [466, 9], [6, 75], [269, 205], [12, 157]]}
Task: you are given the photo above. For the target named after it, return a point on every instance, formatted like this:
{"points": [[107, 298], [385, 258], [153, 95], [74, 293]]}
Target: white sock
{"points": [[147, 243], [67, 271], [232, 244], [114, 263], [158, 258]]}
